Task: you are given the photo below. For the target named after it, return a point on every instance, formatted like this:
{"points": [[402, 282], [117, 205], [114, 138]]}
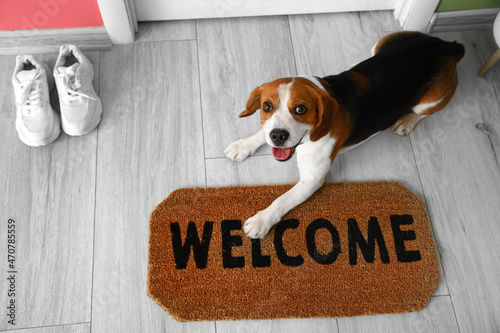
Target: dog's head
{"points": [[293, 110]]}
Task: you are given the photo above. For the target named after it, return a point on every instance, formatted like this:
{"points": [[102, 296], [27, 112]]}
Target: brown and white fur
{"points": [[410, 76]]}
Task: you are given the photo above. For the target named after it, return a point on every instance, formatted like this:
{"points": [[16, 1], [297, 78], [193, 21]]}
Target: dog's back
{"points": [[407, 70], [416, 42], [410, 76]]}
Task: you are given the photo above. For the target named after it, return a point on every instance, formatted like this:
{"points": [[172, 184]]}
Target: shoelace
{"points": [[31, 95], [72, 84]]}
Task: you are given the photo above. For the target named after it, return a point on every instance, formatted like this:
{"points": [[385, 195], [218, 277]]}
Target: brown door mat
{"points": [[351, 249]]}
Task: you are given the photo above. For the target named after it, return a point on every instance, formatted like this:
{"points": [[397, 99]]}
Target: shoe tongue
{"points": [[69, 70], [282, 154], [28, 75]]}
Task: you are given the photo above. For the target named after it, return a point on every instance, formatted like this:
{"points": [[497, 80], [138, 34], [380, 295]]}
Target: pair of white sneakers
{"points": [[37, 123]]}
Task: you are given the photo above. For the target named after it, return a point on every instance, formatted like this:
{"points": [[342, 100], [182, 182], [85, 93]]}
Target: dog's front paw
{"points": [[258, 225], [239, 150]]}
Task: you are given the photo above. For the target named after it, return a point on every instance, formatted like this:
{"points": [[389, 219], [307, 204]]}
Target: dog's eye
{"points": [[267, 107], [300, 109]]}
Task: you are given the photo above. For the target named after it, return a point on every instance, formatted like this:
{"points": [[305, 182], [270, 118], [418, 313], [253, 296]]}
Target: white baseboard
{"points": [[463, 20], [158, 10], [49, 40]]}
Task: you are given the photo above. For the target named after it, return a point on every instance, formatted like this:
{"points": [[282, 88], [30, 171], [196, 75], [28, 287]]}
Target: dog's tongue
{"points": [[282, 153]]}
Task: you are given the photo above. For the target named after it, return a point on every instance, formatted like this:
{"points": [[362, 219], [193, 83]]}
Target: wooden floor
{"points": [[81, 205]]}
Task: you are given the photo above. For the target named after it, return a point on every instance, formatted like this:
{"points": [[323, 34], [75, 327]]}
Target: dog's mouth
{"points": [[283, 154]]}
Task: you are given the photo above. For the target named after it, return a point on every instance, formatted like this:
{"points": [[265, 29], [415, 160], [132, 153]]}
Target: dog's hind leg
{"points": [[435, 98], [407, 123]]}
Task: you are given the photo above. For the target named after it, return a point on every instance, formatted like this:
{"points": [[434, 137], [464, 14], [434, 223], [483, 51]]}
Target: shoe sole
{"points": [[56, 130], [69, 129]]}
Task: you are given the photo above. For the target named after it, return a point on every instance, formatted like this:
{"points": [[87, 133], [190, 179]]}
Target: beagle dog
{"points": [[410, 76]]}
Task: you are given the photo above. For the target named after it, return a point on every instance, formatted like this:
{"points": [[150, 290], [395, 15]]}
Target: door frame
{"points": [[415, 15], [121, 22]]}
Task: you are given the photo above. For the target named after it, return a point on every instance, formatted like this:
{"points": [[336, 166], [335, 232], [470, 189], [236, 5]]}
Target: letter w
{"points": [[200, 249]]}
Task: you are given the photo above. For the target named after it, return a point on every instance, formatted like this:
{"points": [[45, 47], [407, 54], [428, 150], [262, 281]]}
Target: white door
{"points": [[156, 10]]}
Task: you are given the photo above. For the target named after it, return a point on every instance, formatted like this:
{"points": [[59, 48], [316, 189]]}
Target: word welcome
{"points": [[356, 240]]}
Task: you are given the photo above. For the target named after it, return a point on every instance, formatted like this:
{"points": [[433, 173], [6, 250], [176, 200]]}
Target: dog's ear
{"points": [[326, 107], [253, 103]]}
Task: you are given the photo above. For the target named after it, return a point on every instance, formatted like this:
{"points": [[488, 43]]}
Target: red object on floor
{"points": [[49, 14]]}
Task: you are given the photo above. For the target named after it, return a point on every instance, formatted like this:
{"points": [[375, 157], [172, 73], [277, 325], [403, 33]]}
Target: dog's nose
{"points": [[279, 136]]}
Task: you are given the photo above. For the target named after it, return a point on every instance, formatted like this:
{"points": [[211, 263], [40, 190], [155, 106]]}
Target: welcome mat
{"points": [[351, 249]]}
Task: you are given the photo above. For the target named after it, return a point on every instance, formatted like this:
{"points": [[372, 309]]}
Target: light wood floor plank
{"points": [[166, 31], [255, 170], [457, 159], [321, 325], [150, 143], [438, 317], [50, 193], [341, 40], [236, 56], [75, 328]]}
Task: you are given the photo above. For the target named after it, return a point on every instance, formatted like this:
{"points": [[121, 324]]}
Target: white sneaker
{"points": [[37, 124], [81, 108]]}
